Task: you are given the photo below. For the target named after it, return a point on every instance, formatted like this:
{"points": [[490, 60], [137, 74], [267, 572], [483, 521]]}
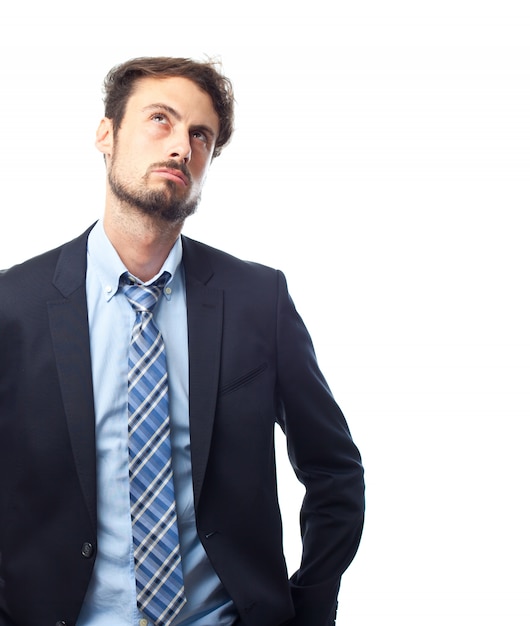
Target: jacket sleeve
{"points": [[327, 463], [4, 621]]}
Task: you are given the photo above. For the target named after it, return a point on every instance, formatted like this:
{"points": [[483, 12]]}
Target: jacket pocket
{"points": [[242, 380]]}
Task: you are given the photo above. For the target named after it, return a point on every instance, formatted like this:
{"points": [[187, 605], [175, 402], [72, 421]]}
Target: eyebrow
{"points": [[169, 109]]}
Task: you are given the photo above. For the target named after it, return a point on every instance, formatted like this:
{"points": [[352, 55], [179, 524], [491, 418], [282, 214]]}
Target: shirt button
{"points": [[144, 622], [168, 291], [108, 288]]}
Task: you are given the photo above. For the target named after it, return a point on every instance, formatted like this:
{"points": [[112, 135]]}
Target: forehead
{"points": [[182, 94]]}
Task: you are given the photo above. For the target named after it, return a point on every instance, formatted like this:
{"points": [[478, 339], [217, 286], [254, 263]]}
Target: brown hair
{"points": [[120, 81]]}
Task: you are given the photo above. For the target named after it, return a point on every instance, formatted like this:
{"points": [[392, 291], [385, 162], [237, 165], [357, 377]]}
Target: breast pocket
{"points": [[246, 378]]}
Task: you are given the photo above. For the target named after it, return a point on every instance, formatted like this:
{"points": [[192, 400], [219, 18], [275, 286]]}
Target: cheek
{"points": [[199, 164], [134, 146], [199, 176], [133, 155], [126, 169]]}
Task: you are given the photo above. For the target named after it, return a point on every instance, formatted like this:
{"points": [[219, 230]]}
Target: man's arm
{"points": [[4, 621], [328, 464]]}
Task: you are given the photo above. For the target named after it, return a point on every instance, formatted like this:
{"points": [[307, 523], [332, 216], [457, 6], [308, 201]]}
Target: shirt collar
{"points": [[109, 267]]}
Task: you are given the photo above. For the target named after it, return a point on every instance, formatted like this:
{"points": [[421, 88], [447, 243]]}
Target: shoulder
{"points": [[38, 273], [253, 288], [203, 259], [30, 266]]}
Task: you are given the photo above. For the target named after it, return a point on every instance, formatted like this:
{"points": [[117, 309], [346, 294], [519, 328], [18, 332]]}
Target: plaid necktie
{"points": [[159, 581]]}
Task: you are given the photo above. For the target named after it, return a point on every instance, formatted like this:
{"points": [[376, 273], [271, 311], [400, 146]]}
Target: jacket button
{"points": [[87, 551], [61, 623]]}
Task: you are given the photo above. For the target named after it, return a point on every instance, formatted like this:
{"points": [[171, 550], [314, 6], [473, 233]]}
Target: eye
{"points": [[159, 118], [198, 134]]}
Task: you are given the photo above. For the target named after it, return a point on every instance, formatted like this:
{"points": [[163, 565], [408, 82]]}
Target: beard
{"points": [[170, 203]]}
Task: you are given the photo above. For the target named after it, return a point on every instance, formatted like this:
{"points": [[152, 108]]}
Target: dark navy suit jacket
{"points": [[252, 364]]}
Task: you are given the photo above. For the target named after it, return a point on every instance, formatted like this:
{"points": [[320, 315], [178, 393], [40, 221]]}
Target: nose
{"points": [[180, 146]]}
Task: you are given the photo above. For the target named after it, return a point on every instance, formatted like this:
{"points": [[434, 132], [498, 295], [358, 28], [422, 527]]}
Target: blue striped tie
{"points": [[159, 581]]}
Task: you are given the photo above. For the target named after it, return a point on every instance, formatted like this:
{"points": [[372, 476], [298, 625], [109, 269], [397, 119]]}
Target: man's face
{"points": [[158, 159]]}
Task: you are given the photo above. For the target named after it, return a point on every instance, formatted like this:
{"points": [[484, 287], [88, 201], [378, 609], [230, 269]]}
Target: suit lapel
{"points": [[205, 320], [69, 331]]}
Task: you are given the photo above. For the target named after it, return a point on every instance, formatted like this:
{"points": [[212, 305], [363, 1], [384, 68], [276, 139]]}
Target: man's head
{"points": [[165, 120], [121, 80]]}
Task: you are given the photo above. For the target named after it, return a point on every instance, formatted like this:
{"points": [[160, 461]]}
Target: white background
{"points": [[382, 160]]}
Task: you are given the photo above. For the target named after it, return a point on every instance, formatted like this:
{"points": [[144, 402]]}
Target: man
{"points": [[227, 358]]}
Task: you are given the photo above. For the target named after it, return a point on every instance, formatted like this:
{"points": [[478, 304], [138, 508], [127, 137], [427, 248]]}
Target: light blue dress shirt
{"points": [[111, 597]]}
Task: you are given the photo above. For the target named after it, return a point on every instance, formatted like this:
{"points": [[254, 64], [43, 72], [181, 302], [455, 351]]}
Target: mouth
{"points": [[172, 174]]}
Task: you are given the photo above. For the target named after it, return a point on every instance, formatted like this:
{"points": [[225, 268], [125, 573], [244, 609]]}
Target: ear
{"points": [[105, 136]]}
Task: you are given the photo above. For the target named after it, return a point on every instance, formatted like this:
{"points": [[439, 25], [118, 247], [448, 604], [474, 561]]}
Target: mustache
{"points": [[172, 165]]}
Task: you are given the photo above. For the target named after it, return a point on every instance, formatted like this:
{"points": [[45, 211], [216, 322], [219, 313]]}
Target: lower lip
{"points": [[173, 177]]}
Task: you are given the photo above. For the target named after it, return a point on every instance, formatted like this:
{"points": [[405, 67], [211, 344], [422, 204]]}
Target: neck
{"points": [[142, 243]]}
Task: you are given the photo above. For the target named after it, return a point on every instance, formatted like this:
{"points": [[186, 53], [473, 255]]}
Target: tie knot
{"points": [[143, 298]]}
